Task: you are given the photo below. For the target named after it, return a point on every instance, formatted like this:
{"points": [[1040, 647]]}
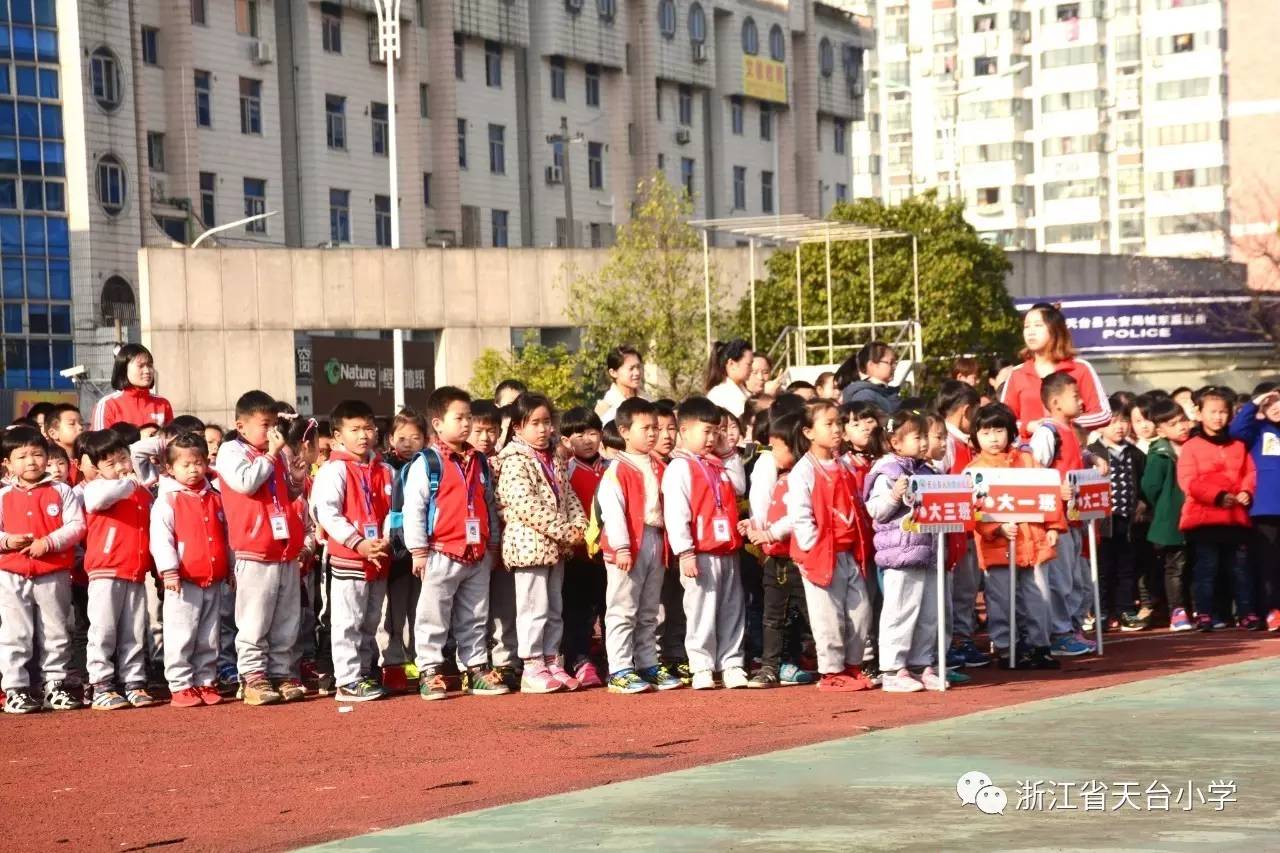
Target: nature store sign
{"points": [[360, 369]]}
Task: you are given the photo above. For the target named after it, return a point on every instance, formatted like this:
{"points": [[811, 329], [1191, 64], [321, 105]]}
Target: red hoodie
{"points": [[1021, 393]]}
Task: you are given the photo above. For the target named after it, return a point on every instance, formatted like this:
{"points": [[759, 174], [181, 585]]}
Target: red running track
{"points": [[239, 778]]}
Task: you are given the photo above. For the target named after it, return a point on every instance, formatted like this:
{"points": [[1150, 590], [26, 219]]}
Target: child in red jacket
{"points": [[1218, 476]]}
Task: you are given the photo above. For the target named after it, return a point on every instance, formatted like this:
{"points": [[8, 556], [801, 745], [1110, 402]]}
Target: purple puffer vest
{"points": [[895, 547]]}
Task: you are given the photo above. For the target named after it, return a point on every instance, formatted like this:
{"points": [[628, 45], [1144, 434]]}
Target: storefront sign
{"points": [[361, 369], [764, 79]]}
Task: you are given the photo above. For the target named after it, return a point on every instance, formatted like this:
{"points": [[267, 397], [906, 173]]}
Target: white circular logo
{"points": [[53, 510]]}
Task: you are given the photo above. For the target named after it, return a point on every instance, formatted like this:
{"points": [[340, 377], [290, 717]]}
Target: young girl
{"points": [[395, 632], [864, 443], [826, 533], [544, 520], [132, 376], [909, 616], [303, 450], [994, 432]]}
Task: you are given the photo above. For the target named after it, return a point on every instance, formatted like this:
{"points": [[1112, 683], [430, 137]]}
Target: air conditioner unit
{"points": [[699, 52], [683, 136], [262, 53], [554, 175], [157, 190]]}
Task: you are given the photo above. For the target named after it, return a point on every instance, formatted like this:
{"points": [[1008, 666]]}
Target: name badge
{"points": [[371, 531], [473, 531], [279, 526], [720, 529]]}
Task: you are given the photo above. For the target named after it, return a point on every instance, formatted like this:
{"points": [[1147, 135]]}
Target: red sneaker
{"points": [[1273, 621], [187, 698], [864, 681], [394, 679], [209, 694], [838, 683]]}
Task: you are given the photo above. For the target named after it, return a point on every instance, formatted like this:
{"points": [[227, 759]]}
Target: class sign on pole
{"points": [[1090, 501]]}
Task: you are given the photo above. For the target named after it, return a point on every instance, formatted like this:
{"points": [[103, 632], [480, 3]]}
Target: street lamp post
{"points": [[389, 52]]}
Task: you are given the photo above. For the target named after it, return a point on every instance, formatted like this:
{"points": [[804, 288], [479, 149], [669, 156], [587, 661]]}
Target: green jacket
{"points": [[1160, 488]]}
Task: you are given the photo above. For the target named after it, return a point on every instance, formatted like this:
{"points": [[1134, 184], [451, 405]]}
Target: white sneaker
{"points": [[704, 680], [901, 681], [931, 680], [734, 676]]}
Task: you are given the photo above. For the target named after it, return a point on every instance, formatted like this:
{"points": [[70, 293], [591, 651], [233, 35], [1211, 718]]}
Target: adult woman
{"points": [[758, 381], [133, 375], [727, 372], [875, 362], [626, 369], [1049, 350]]}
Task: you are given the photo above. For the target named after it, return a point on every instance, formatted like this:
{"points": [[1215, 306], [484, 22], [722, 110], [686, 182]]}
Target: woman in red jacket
{"points": [[1049, 349], [133, 376]]}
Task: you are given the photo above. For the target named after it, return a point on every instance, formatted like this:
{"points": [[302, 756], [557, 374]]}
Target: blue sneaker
{"points": [[1068, 647], [629, 682], [789, 674], [973, 656], [660, 677], [955, 658]]}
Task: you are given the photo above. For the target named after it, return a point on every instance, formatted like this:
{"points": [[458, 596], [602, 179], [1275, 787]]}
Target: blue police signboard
{"points": [[1130, 323]]}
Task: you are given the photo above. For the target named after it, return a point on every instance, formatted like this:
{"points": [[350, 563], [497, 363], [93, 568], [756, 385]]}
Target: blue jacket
{"points": [[1263, 439]]}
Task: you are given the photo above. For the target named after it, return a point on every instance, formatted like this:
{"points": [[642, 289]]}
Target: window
{"points": [[1085, 100], [497, 149], [198, 12], [339, 216], [426, 189], [459, 56], [1184, 43], [493, 65], [766, 192], [382, 220], [255, 204], [470, 226], [1065, 56], [574, 6], [686, 175], [777, 44], [498, 224], [1182, 179], [739, 187], [593, 85], [150, 46], [111, 186], [667, 18], [984, 66], [984, 23], [1082, 188], [1185, 134], [557, 78], [1068, 11], [658, 102], [250, 106], [1128, 48], [597, 235], [462, 143], [104, 77], [684, 101], [335, 120], [838, 135], [1175, 89], [826, 57], [735, 114], [697, 24], [1080, 233], [331, 27], [766, 122], [595, 165], [204, 99], [988, 195], [208, 207], [1186, 224], [155, 151], [381, 130], [247, 17], [557, 154], [608, 10], [842, 193], [424, 100], [750, 37], [1063, 145]]}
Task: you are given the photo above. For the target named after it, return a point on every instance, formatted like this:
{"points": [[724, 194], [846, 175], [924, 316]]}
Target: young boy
{"points": [[1257, 424], [1161, 491], [117, 558], [485, 422], [40, 523], [584, 576], [59, 467], [1055, 445], [671, 622], [350, 499], [266, 534], [1217, 475], [189, 544], [451, 529], [62, 426], [635, 553], [700, 490], [1117, 557], [395, 633]]}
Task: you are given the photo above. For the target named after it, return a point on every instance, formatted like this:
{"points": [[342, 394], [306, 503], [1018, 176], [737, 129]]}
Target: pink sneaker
{"points": [[560, 674], [538, 679], [587, 675]]}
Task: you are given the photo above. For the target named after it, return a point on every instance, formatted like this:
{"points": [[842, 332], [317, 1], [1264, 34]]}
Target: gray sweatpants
{"points": [[192, 618], [502, 617], [454, 596], [267, 613], [964, 580], [539, 611], [909, 618], [631, 601], [117, 650], [396, 634], [353, 631], [839, 616], [1062, 571], [1032, 604], [35, 616], [715, 614]]}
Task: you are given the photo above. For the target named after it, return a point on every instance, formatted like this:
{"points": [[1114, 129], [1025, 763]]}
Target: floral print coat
{"points": [[539, 525]]}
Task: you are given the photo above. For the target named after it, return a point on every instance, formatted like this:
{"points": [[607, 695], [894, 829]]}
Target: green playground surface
{"points": [[1177, 763]]}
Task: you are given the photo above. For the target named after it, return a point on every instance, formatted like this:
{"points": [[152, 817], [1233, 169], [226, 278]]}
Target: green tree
{"points": [[964, 306], [553, 371], [650, 293]]}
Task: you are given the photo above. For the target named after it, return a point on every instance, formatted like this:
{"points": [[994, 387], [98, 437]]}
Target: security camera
{"points": [[75, 372]]}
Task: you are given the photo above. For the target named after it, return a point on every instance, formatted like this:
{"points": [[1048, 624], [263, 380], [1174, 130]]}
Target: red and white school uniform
{"points": [[117, 558], [1054, 445], [137, 406]]}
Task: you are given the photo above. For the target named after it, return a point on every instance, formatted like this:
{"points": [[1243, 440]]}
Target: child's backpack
{"points": [[435, 470]]}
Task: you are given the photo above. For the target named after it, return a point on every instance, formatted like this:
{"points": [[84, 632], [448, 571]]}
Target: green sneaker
{"points": [[479, 681], [431, 685], [628, 681], [955, 676], [411, 671], [364, 690]]}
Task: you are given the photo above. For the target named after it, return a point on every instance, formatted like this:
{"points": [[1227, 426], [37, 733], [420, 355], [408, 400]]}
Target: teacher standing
{"points": [[626, 369], [728, 370], [1049, 350]]}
